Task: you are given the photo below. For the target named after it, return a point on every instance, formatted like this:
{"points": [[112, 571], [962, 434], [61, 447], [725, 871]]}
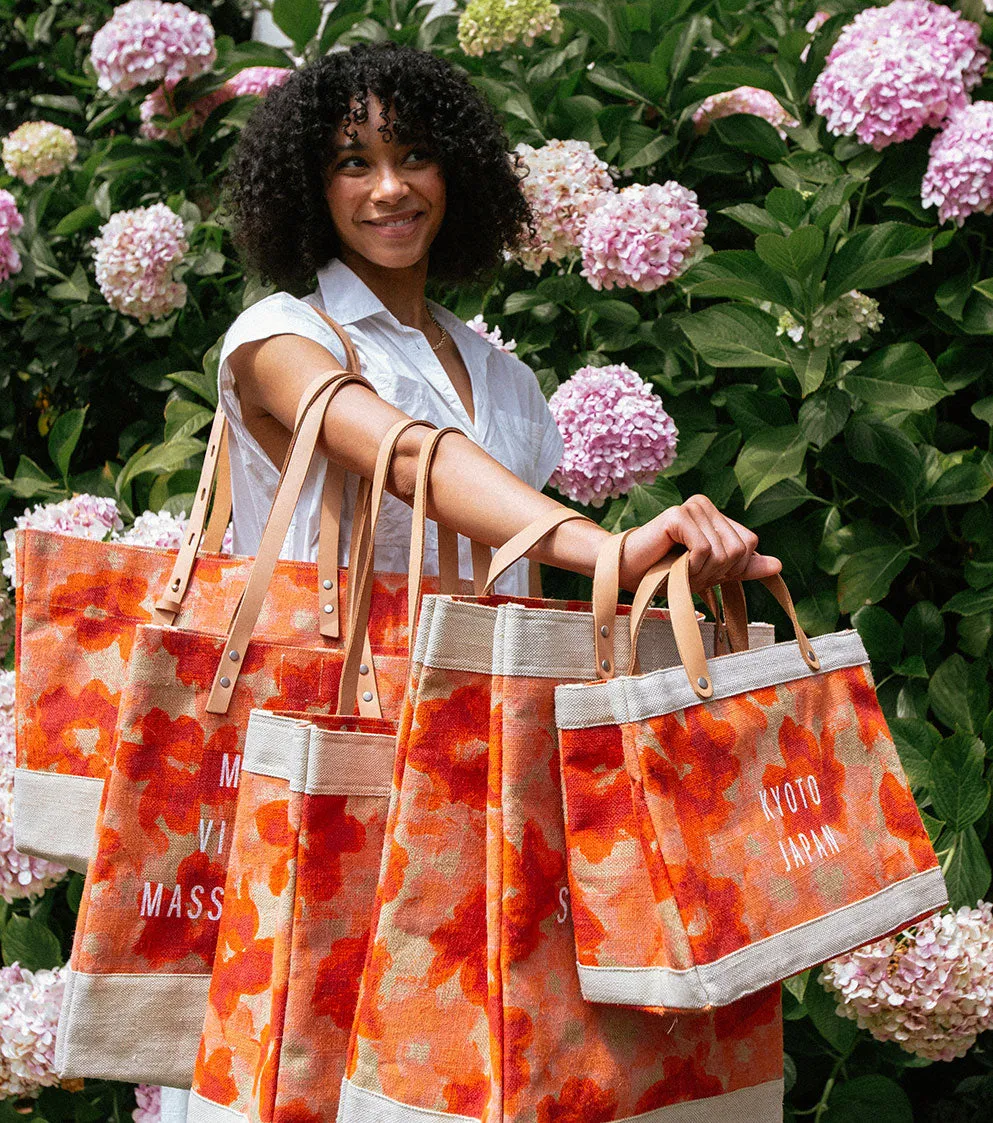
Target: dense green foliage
{"points": [[866, 467]]}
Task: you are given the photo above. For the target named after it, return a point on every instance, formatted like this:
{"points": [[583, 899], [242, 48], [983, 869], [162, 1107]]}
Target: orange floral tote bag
{"points": [[470, 1005], [757, 793], [137, 981], [301, 881], [78, 604]]}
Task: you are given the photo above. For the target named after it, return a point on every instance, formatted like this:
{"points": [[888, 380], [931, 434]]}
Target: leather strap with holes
{"points": [[606, 582], [687, 633], [303, 446]]}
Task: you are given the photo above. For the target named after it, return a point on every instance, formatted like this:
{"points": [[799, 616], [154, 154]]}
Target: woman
{"points": [[376, 169], [379, 168]]}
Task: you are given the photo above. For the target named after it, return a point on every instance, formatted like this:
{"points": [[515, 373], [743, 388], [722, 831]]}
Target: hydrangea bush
{"points": [[765, 225]]}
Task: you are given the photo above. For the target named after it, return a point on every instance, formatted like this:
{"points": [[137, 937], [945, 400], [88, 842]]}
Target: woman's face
{"points": [[386, 198]]}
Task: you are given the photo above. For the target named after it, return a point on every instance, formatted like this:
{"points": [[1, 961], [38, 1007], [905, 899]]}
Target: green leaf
{"points": [[689, 452], [29, 943], [787, 206], [79, 219], [185, 419], [880, 632], [299, 19], [958, 791], [872, 1097], [736, 275], [64, 437], [877, 255], [751, 134], [965, 867], [641, 146], [777, 502], [753, 218], [76, 288], [768, 457], [923, 629], [871, 441], [823, 416], [162, 458], [732, 336], [901, 376], [522, 301], [961, 483], [865, 578], [958, 694], [794, 255], [198, 383], [969, 602], [840, 1033], [983, 409], [810, 368], [915, 746]]}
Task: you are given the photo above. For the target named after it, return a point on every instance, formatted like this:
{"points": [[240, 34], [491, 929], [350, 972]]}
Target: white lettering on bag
{"points": [[563, 905], [230, 770], [151, 901], [151, 906]]}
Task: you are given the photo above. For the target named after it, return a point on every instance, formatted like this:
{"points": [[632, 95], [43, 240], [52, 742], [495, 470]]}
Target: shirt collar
{"points": [[346, 297], [349, 299]]}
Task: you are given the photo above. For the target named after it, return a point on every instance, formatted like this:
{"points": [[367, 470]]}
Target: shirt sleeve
{"points": [[280, 314]]}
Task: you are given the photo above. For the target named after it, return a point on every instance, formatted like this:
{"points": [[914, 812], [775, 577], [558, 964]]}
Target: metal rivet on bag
{"points": [[175, 585], [363, 669], [604, 630], [233, 656], [605, 664], [367, 697], [702, 683], [329, 608], [328, 584], [225, 682]]}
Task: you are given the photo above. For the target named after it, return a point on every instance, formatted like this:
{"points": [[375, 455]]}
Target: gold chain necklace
{"points": [[444, 334]]}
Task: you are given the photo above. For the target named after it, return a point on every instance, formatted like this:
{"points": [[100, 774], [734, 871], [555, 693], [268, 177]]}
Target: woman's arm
{"points": [[471, 492]]}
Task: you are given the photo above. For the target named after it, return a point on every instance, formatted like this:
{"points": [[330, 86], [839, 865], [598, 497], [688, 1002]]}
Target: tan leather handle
{"points": [[606, 582], [303, 445], [524, 540], [448, 542], [687, 633], [220, 509], [361, 574], [214, 479]]}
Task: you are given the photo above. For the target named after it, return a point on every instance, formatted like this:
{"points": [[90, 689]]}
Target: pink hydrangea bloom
{"points": [[491, 335], [11, 221], [136, 253], [930, 988], [816, 22], [163, 530], [564, 182], [38, 148], [20, 875], [30, 1002], [898, 69], [255, 80], [149, 1100], [744, 99], [616, 434], [642, 237], [959, 176], [151, 41], [85, 516]]}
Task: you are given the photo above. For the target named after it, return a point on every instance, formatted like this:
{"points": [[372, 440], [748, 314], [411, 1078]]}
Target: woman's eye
{"points": [[418, 155]]}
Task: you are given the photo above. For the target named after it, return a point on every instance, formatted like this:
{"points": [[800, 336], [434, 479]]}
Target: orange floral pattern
{"points": [[292, 941], [755, 813], [478, 835]]}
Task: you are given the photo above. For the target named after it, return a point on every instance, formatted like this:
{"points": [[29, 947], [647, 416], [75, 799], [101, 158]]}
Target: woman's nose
{"points": [[390, 185]]}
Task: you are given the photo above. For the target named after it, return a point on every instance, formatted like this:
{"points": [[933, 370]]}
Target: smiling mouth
{"points": [[397, 223]]}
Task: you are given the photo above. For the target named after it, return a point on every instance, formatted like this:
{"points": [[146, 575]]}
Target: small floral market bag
{"points": [[306, 848], [78, 605], [760, 796], [470, 1005], [137, 982]]}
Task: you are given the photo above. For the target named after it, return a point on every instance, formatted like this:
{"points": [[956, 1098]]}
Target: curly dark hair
{"points": [[275, 184]]}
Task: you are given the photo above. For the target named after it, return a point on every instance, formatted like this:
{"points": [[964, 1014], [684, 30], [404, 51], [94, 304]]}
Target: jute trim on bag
{"points": [[318, 761], [55, 816], [666, 691], [112, 1027], [775, 957], [762, 1103], [542, 642]]}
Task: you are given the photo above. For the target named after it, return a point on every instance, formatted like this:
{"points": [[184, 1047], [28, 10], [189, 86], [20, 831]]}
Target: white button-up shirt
{"points": [[512, 420]]}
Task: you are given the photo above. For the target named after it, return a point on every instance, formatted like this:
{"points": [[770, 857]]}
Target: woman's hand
{"points": [[720, 549]]}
